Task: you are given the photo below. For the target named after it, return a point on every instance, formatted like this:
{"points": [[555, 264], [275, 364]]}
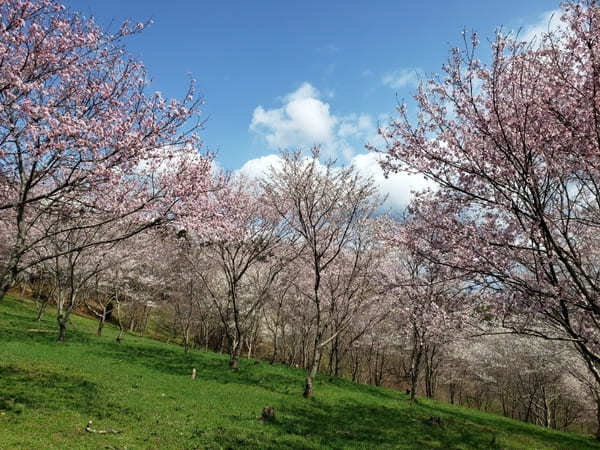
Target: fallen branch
{"points": [[89, 429]]}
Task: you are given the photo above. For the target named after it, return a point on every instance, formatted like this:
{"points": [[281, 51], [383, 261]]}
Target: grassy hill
{"points": [[49, 391]]}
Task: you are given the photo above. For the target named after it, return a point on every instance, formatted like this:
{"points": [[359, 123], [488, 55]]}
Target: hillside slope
{"points": [[49, 391]]}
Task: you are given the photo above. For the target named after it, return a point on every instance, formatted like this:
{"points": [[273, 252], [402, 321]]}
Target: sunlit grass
{"points": [[50, 390]]}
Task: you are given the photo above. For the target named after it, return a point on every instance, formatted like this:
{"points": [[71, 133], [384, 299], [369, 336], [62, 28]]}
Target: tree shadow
{"points": [[209, 366], [490, 422], [18, 325], [357, 425], [43, 389], [361, 424]]}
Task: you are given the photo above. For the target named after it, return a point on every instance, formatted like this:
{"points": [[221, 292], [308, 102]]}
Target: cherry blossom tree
{"points": [[109, 287], [274, 309], [354, 295], [137, 279], [296, 317], [524, 379], [326, 207], [185, 298], [39, 279], [126, 257], [79, 132], [75, 266], [248, 254], [186, 304], [98, 302], [429, 307], [514, 149], [370, 351]]}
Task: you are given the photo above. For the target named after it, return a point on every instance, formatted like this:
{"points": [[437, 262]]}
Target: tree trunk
{"points": [[145, 319], [337, 357], [249, 343], [5, 283], [186, 340], [316, 357], [356, 367], [62, 324], [64, 312], [206, 338], [119, 321], [9, 275], [41, 310], [331, 363], [308, 387], [379, 366], [274, 354], [101, 323], [234, 355], [428, 383], [598, 415], [120, 336], [414, 370], [547, 410], [452, 391], [430, 353], [528, 408], [221, 343]]}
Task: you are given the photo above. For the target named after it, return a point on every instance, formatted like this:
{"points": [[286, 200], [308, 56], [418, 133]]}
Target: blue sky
{"points": [[285, 74]]}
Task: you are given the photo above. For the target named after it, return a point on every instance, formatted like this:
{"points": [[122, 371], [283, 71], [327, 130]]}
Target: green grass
{"points": [[49, 391]]}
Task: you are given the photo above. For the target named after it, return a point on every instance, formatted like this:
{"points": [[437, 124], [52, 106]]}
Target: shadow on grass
{"points": [[354, 424], [19, 324], [43, 389], [211, 366], [350, 422], [482, 421], [347, 423]]}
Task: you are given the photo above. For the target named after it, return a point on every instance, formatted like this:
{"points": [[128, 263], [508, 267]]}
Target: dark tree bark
{"points": [[62, 324], [234, 354]]}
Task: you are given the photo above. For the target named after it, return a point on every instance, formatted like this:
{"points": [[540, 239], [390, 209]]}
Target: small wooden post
{"points": [[193, 374]]}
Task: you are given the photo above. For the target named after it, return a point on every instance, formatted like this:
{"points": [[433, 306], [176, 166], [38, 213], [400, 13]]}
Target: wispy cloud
{"points": [[398, 79], [548, 21]]}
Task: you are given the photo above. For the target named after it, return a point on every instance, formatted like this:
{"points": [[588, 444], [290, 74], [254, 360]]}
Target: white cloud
{"points": [[305, 91], [355, 125], [399, 79], [548, 21], [259, 167], [304, 119], [397, 187]]}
